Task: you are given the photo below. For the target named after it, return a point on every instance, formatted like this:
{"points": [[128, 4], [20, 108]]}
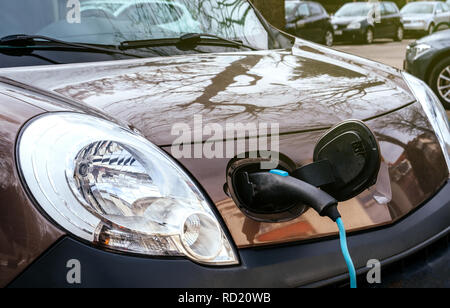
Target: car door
{"points": [[441, 15], [447, 12], [394, 17], [303, 24], [318, 21], [381, 21]]}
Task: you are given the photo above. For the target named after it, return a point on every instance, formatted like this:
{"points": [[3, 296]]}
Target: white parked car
{"points": [[425, 16]]}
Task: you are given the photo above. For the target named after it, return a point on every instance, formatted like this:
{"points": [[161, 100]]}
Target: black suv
{"points": [[365, 22], [309, 20]]}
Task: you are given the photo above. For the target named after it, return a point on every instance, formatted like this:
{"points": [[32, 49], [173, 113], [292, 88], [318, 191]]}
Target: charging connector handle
{"points": [[270, 186]]}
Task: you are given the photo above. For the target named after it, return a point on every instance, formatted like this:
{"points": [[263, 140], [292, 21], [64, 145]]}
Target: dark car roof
{"points": [[437, 36]]}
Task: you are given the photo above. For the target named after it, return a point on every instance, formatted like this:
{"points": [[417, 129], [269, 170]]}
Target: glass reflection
{"points": [[110, 22]]}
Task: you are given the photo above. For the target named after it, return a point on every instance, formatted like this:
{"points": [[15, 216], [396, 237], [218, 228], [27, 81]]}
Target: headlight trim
{"points": [[434, 111]]}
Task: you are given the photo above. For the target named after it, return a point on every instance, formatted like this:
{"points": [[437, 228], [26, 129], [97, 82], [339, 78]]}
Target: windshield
{"points": [[110, 22], [418, 8], [354, 10]]}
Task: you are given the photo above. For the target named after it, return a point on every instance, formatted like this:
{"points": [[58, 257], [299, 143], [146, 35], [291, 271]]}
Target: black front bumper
{"points": [[302, 264], [348, 34]]}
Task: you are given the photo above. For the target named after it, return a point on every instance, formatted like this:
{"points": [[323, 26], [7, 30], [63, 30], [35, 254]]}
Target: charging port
{"points": [[241, 190]]}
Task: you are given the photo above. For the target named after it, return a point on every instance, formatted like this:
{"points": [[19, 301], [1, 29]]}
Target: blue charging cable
{"points": [[346, 253], [342, 236]]}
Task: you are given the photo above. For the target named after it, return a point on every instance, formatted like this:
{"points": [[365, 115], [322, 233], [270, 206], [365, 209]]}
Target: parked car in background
{"points": [[309, 20], [429, 60], [425, 17], [367, 21]]}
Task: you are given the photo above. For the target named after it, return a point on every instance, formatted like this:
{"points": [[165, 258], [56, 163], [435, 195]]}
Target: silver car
{"points": [[425, 16]]}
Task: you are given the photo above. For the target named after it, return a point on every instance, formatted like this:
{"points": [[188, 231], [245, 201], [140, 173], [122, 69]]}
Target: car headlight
{"points": [[354, 25], [434, 110], [112, 187], [416, 51]]}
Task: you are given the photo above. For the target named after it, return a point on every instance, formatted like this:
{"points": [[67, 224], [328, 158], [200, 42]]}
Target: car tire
{"points": [[399, 34], [328, 38], [430, 29], [368, 36], [440, 81]]}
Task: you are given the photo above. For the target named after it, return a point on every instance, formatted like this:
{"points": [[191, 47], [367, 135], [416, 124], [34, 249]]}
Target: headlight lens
{"points": [[434, 110], [112, 187], [416, 51], [354, 25]]}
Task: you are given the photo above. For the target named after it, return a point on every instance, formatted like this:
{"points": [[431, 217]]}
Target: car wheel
{"points": [[399, 34], [329, 38], [440, 82], [369, 36], [431, 29]]}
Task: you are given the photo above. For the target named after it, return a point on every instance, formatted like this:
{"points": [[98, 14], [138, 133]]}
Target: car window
{"points": [[303, 10], [446, 7], [357, 9], [391, 8], [397, 10], [384, 10], [110, 22], [315, 9]]}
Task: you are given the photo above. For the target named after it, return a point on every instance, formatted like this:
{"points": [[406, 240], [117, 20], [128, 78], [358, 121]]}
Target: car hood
{"points": [[441, 36], [306, 88]]}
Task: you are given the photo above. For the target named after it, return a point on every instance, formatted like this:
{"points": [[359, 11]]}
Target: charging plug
{"points": [[278, 185], [320, 201]]}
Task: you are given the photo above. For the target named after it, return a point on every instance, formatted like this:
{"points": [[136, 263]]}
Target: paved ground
{"points": [[385, 51]]}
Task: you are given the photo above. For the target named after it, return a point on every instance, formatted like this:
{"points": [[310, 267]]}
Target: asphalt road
{"points": [[384, 51]]}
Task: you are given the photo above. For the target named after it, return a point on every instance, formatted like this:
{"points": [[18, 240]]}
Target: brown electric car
{"points": [[119, 165]]}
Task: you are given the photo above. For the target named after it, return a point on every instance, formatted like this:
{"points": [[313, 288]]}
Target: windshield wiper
{"points": [[194, 39], [30, 41]]}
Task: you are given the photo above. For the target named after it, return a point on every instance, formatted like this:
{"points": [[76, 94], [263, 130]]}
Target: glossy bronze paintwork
{"points": [[283, 86], [306, 90], [417, 170], [24, 233]]}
